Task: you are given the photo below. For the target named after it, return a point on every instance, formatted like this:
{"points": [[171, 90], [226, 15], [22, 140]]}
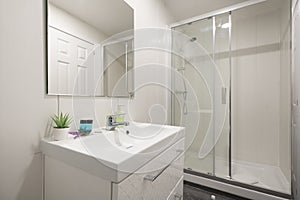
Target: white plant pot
{"points": [[60, 133]]}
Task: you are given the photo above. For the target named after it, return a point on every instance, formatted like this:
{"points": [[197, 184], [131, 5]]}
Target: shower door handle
{"points": [[224, 92], [296, 103]]}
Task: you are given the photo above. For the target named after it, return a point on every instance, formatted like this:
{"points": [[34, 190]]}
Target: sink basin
{"points": [[114, 155], [142, 131]]}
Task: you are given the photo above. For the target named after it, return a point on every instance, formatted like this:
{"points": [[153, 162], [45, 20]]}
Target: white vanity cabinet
{"points": [[70, 174], [160, 179]]}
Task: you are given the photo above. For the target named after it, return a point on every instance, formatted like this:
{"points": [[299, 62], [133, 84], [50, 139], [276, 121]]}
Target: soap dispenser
{"points": [[120, 114]]}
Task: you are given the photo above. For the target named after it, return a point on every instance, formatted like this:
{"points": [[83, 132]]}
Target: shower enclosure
{"points": [[235, 100]]}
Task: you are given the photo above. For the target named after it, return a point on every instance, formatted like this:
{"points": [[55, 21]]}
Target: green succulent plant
{"points": [[62, 120]]}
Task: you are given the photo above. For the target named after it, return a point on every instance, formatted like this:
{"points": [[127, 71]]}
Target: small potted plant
{"points": [[62, 126]]}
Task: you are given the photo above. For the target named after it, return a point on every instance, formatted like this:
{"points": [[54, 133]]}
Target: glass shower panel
{"points": [[193, 100], [261, 95], [207, 150], [222, 58]]}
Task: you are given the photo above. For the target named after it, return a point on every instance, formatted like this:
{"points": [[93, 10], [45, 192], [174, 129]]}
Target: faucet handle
{"points": [[110, 120]]}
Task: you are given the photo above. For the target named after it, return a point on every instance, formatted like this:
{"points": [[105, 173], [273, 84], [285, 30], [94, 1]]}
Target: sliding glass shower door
{"points": [[202, 87]]}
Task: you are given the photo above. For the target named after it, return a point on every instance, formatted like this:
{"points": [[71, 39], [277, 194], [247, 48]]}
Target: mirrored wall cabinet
{"points": [[90, 48]]}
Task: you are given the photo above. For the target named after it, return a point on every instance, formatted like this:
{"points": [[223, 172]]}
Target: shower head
{"points": [[187, 42], [193, 39]]}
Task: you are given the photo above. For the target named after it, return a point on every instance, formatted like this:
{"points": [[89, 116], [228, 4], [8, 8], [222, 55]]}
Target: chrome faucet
{"points": [[112, 124]]}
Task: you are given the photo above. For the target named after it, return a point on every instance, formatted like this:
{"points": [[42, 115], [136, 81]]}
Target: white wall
{"points": [[25, 109], [152, 102], [62, 20]]}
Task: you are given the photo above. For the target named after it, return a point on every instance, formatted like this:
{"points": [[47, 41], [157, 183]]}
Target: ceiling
{"points": [[183, 9], [108, 16]]}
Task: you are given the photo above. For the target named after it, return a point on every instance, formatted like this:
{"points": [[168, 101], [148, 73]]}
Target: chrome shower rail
{"points": [[217, 12]]}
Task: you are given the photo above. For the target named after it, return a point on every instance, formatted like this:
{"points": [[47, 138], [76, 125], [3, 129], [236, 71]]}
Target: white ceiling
{"points": [[184, 9], [108, 16]]}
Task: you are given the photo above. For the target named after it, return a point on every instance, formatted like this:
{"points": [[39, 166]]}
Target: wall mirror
{"points": [[83, 57]]}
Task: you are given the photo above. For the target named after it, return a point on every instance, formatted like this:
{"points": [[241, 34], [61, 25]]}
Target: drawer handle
{"points": [[152, 178], [179, 150], [178, 196]]}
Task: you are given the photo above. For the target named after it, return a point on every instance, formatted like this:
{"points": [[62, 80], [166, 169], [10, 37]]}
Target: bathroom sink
{"points": [[144, 131], [114, 155]]}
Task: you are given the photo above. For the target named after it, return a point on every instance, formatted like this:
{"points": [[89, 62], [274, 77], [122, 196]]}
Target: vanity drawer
{"points": [[156, 180]]}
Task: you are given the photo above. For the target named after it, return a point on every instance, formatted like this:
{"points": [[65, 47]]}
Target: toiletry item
{"points": [[85, 126], [120, 114], [75, 133], [120, 118]]}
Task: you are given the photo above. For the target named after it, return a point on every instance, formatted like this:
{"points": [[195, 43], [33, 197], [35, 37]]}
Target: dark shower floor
{"points": [[193, 192]]}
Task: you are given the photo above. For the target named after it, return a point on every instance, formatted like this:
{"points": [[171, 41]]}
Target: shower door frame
{"points": [[190, 173]]}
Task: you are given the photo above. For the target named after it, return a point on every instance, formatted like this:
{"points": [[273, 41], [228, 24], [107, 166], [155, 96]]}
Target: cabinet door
{"points": [[152, 182], [65, 182]]}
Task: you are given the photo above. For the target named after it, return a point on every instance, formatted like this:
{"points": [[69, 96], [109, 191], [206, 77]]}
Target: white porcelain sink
{"points": [[113, 155], [145, 131]]}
